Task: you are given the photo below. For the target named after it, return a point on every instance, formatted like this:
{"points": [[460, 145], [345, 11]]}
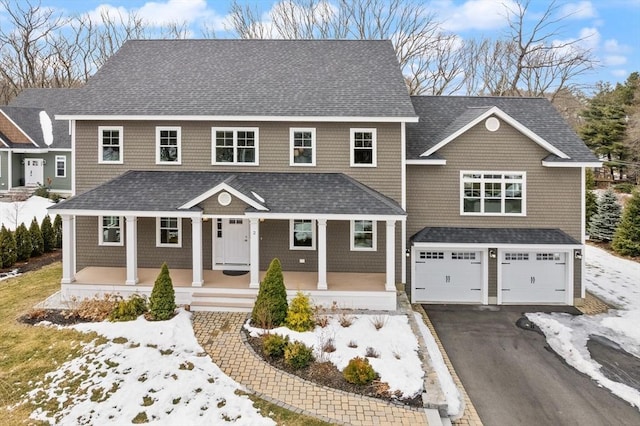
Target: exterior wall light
{"points": [[578, 254], [492, 253]]}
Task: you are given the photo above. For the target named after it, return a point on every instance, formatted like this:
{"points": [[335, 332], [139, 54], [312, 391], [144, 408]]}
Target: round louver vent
{"points": [[224, 198], [492, 124]]}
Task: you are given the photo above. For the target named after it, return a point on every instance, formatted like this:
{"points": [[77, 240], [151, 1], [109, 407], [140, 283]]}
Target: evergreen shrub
{"points": [[48, 234], [270, 309], [162, 302], [297, 355], [359, 371], [57, 229], [626, 240], [23, 243], [129, 309], [605, 221], [8, 252], [37, 242], [273, 345], [300, 314]]}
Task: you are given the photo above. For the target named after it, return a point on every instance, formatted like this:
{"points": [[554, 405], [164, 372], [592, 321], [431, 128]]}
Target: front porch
{"points": [[219, 290]]}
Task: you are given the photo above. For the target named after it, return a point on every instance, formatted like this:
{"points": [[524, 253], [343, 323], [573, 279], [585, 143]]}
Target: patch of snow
{"points": [[47, 128], [257, 196], [6, 275], [398, 364], [455, 402], [156, 367], [617, 281], [17, 212]]}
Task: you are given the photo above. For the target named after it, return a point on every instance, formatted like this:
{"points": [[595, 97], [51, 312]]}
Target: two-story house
{"points": [[217, 156]]}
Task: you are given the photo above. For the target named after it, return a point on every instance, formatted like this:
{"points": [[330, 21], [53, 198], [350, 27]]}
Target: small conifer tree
{"points": [[162, 302], [605, 221], [300, 314], [23, 243], [57, 229], [270, 308], [626, 240], [37, 242], [48, 234], [8, 254]]}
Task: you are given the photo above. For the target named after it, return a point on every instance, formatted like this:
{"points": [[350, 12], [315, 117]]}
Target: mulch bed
{"points": [[326, 374], [35, 262]]}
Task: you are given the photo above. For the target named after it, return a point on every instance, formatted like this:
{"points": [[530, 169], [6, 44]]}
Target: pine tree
{"points": [[24, 246], [590, 200], [605, 221], [48, 234], [8, 254], [270, 309], [37, 242], [57, 228], [162, 302], [626, 240]]}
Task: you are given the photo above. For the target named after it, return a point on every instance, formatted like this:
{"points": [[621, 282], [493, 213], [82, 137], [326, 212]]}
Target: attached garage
{"points": [[533, 276], [448, 276]]}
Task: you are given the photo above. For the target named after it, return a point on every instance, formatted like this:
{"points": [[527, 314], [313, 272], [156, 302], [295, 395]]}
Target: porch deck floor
{"points": [[294, 280]]}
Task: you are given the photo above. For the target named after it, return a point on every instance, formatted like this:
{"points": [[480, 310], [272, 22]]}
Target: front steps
{"points": [[223, 301]]}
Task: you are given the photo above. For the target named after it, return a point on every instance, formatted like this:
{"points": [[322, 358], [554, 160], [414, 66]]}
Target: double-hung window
{"points": [[493, 193], [363, 235], [303, 147], [61, 166], [363, 148], [110, 231], [168, 145], [234, 145], [110, 142], [168, 232], [302, 234]]}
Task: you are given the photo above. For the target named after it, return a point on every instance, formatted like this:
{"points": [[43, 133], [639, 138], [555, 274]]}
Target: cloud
{"points": [[613, 46], [473, 14], [615, 60], [620, 73], [578, 10]]}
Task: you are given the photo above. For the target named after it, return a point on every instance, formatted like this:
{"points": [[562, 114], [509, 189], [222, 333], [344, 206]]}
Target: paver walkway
{"points": [[219, 334]]}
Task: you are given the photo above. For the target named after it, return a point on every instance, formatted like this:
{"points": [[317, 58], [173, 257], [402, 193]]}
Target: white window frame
{"points": [[159, 243], [101, 230], [235, 131], [292, 236], [374, 235], [292, 132], [178, 131], [503, 181], [62, 158], [101, 130], [374, 154]]}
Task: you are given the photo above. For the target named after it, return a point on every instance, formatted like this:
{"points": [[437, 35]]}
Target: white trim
{"points": [[502, 181], [223, 187], [571, 164], [235, 130], [403, 201], [390, 256], [9, 170], [64, 160], [197, 252], [507, 118], [158, 242], [314, 234], [138, 213], [27, 151], [427, 162], [101, 241], [292, 131], [178, 131], [322, 254], [380, 217], [374, 148], [583, 207], [19, 128], [254, 253], [101, 130], [293, 118], [374, 235], [72, 127], [132, 250], [527, 247]]}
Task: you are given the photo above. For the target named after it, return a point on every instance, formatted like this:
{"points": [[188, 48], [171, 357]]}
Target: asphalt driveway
{"points": [[510, 376]]}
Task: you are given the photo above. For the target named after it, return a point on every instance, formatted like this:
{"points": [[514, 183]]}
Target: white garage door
{"points": [[534, 277], [448, 276]]}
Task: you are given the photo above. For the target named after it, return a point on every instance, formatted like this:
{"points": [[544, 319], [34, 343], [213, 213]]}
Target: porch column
{"points": [[390, 284], [132, 250], [254, 252], [196, 255], [322, 254], [68, 249]]}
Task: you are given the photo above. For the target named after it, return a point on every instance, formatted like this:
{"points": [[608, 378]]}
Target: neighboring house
{"points": [[35, 149], [216, 156]]}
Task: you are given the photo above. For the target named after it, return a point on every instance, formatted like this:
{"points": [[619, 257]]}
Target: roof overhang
{"points": [[224, 186], [124, 213], [571, 164], [19, 128], [427, 162], [333, 119], [508, 119]]}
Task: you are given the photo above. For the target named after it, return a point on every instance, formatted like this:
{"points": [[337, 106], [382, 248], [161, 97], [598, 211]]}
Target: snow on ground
{"points": [[616, 281], [455, 402], [155, 368], [23, 211], [398, 364]]}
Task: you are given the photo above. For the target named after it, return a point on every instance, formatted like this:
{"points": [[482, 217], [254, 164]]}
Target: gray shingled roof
{"points": [[25, 109], [493, 236], [308, 193], [342, 78], [440, 116]]}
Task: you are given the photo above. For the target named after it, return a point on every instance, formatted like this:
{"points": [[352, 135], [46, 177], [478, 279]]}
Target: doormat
{"points": [[234, 273]]}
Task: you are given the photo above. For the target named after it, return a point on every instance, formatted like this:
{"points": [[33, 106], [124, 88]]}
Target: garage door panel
{"points": [[448, 276], [534, 277]]}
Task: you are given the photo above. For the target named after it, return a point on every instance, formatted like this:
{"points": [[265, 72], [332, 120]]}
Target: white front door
{"points": [[33, 171], [231, 242]]}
